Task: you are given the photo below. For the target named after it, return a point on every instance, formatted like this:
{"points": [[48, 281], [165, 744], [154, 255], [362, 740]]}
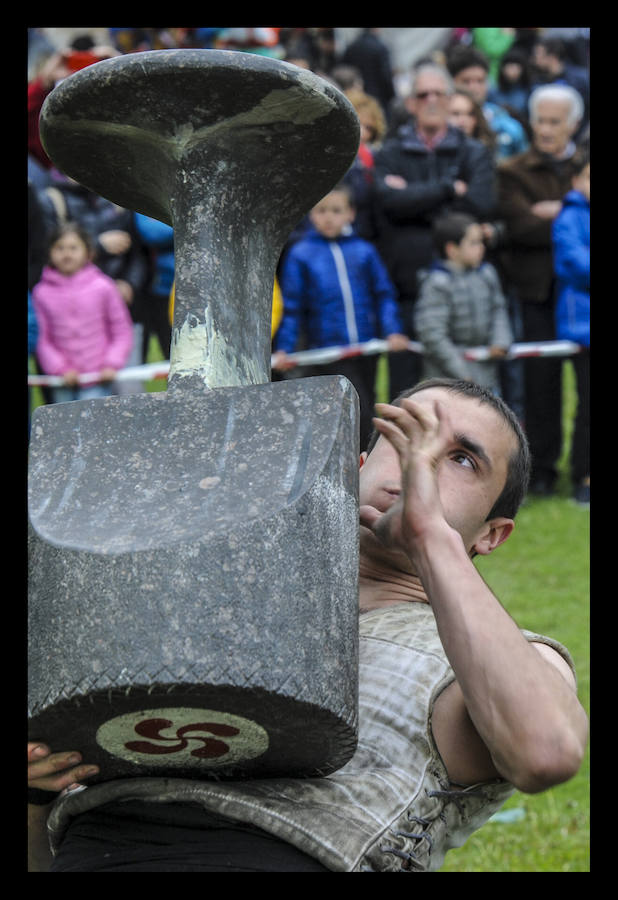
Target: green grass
{"points": [[541, 576]]}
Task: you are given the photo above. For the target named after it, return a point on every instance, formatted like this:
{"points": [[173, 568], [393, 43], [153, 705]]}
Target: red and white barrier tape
{"points": [[322, 356], [146, 372]]}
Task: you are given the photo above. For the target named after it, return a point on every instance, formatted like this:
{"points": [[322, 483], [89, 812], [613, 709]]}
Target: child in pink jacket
{"points": [[84, 324]]}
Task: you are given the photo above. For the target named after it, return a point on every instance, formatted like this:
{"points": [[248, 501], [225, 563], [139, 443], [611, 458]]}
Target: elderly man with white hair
{"points": [[531, 188]]}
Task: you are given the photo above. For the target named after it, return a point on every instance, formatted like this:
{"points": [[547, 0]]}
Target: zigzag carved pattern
{"points": [[165, 681]]}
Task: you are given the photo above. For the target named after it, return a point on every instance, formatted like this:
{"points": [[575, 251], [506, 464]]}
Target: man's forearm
{"points": [[524, 710]]}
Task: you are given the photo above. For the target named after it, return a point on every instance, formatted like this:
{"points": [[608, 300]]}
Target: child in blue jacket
{"points": [[336, 291], [571, 245]]}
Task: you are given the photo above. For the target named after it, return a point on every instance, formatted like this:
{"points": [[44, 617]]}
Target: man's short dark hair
{"points": [[554, 47], [450, 228], [461, 58], [518, 468]]}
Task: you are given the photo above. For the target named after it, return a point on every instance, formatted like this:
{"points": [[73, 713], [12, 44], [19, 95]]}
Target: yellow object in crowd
{"points": [[277, 311]]}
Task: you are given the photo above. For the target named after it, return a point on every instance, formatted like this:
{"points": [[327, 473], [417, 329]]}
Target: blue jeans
{"points": [[64, 394]]}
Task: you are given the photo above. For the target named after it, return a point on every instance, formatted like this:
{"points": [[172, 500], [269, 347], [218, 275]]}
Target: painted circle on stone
{"points": [[182, 737]]}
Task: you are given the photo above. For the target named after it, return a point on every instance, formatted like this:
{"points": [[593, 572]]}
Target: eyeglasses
{"points": [[423, 95]]}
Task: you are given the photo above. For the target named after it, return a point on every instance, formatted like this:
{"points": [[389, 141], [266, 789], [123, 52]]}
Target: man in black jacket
{"points": [[371, 57], [426, 169]]}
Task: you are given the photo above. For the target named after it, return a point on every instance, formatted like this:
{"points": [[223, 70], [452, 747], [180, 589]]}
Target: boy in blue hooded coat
{"points": [[571, 245], [336, 291]]}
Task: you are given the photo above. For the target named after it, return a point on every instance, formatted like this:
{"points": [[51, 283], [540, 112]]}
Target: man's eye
{"points": [[464, 460]]}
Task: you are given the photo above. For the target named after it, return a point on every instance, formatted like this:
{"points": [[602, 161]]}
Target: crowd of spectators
{"points": [[492, 124]]}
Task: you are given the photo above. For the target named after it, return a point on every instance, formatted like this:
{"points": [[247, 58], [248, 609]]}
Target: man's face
{"points": [[474, 81], [430, 103], [471, 472], [545, 62], [551, 127]]}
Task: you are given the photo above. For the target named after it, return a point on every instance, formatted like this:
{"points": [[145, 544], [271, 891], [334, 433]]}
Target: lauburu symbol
{"points": [[211, 749], [180, 737]]}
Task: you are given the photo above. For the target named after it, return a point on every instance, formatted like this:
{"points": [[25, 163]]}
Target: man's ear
{"points": [[363, 457], [495, 532]]}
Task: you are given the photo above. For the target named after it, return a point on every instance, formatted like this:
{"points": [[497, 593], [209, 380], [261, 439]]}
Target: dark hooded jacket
{"points": [[406, 215]]}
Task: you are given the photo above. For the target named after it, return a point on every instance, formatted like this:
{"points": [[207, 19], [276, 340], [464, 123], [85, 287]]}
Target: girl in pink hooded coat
{"points": [[84, 324]]}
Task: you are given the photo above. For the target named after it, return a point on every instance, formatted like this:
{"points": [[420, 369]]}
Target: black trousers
{"points": [[543, 392], [580, 441], [404, 367], [155, 318], [134, 836], [361, 371]]}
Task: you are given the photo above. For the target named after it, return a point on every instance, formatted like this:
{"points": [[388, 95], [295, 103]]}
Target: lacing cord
{"points": [[422, 835], [410, 858]]}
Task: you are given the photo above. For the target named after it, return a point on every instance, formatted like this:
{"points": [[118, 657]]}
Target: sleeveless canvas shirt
{"points": [[391, 807]]}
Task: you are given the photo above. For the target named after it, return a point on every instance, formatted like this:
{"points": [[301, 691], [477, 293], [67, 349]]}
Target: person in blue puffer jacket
{"points": [[336, 292], [571, 247]]}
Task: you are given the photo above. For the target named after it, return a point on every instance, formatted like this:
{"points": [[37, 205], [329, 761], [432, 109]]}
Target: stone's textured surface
{"points": [[121, 475], [232, 149], [135, 126], [198, 551], [194, 554]]}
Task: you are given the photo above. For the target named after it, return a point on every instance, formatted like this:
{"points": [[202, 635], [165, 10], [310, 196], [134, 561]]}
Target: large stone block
{"points": [[194, 580], [193, 572]]}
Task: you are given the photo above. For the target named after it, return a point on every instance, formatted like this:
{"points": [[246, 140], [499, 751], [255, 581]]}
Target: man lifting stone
{"points": [[458, 707]]}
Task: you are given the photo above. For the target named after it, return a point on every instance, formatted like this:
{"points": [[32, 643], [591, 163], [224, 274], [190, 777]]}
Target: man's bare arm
{"points": [[520, 700]]}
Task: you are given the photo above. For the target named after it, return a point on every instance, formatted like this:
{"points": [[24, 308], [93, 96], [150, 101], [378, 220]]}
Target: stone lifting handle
{"points": [[230, 149]]}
